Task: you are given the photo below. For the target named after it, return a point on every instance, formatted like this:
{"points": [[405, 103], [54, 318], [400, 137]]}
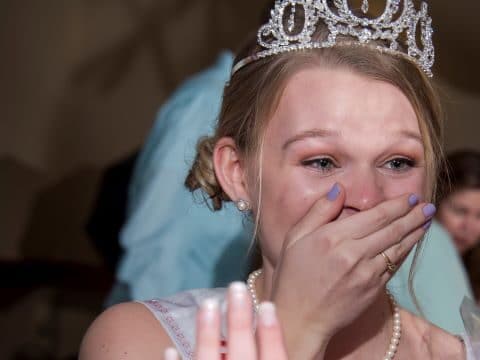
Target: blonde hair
{"points": [[253, 93]]}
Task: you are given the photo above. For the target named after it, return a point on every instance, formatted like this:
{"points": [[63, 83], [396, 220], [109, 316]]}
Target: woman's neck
{"points": [[369, 334]]}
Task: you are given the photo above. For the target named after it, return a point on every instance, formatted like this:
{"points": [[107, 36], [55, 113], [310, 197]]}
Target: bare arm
{"points": [[126, 331]]}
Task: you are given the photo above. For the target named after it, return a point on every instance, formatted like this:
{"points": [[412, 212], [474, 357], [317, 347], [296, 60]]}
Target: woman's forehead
{"points": [[343, 102]]}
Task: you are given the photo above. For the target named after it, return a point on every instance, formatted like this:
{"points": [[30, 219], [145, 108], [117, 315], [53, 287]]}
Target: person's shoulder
{"points": [[430, 341], [125, 331], [444, 345]]}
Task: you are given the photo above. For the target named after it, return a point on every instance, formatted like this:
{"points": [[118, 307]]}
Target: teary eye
{"points": [[400, 164], [321, 164]]}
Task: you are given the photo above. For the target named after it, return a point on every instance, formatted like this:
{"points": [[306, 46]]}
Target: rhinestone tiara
{"points": [[400, 18]]}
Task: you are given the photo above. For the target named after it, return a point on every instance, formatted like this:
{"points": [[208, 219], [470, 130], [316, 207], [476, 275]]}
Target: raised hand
{"points": [[330, 271], [242, 342]]}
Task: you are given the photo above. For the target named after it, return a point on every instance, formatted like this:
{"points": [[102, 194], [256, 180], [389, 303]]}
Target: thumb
{"points": [[324, 210]]}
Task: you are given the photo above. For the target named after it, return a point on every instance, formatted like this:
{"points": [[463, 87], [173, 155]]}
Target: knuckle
{"points": [[390, 232], [398, 251], [397, 231], [364, 278], [327, 241], [346, 260]]}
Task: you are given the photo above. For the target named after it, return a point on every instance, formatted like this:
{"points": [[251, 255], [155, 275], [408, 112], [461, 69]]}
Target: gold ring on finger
{"points": [[391, 267]]}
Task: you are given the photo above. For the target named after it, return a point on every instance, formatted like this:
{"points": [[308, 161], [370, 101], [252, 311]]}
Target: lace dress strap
{"points": [[177, 316]]}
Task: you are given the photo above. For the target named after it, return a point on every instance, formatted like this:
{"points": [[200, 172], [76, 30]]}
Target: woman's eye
{"points": [[322, 164], [400, 164], [459, 210]]}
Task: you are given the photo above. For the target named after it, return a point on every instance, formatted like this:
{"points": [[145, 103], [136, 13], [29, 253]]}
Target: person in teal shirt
{"points": [[169, 229], [166, 227]]}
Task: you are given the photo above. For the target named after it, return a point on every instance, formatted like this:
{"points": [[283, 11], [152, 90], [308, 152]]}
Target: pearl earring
{"points": [[243, 205]]}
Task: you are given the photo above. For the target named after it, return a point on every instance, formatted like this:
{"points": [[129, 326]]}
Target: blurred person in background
{"points": [[459, 209]]}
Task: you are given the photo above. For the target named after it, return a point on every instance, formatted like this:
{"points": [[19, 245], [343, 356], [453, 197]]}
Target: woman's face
{"points": [[332, 125], [459, 213]]}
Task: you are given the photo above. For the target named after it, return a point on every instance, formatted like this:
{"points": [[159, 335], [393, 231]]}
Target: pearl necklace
{"points": [[397, 324]]}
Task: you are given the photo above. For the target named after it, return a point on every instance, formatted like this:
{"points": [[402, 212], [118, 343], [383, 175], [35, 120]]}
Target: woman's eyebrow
{"points": [[411, 135], [313, 133]]}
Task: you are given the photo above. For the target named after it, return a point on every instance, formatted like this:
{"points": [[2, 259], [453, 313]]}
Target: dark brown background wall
{"points": [[81, 83]]}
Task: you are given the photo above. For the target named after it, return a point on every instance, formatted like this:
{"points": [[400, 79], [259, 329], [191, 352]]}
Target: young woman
{"points": [[329, 138], [459, 209]]}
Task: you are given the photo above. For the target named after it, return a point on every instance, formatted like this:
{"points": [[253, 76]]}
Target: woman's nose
{"points": [[364, 190]]}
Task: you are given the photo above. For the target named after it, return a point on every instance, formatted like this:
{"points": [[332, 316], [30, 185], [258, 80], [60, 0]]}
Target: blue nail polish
{"points": [[413, 200], [333, 193], [429, 210]]}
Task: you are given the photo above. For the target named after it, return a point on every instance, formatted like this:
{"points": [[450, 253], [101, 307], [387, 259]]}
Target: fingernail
{"points": [[171, 354], [267, 314], [333, 193], [429, 210], [413, 200], [209, 309], [238, 293], [427, 225]]}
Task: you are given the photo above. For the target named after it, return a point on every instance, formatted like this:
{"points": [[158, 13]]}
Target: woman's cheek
{"points": [[298, 196], [414, 184]]}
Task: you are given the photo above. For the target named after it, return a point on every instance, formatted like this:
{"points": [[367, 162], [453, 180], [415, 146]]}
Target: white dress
{"points": [[177, 316]]}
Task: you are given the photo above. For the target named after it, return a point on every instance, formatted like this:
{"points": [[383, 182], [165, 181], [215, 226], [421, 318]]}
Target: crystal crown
{"points": [[399, 24]]}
